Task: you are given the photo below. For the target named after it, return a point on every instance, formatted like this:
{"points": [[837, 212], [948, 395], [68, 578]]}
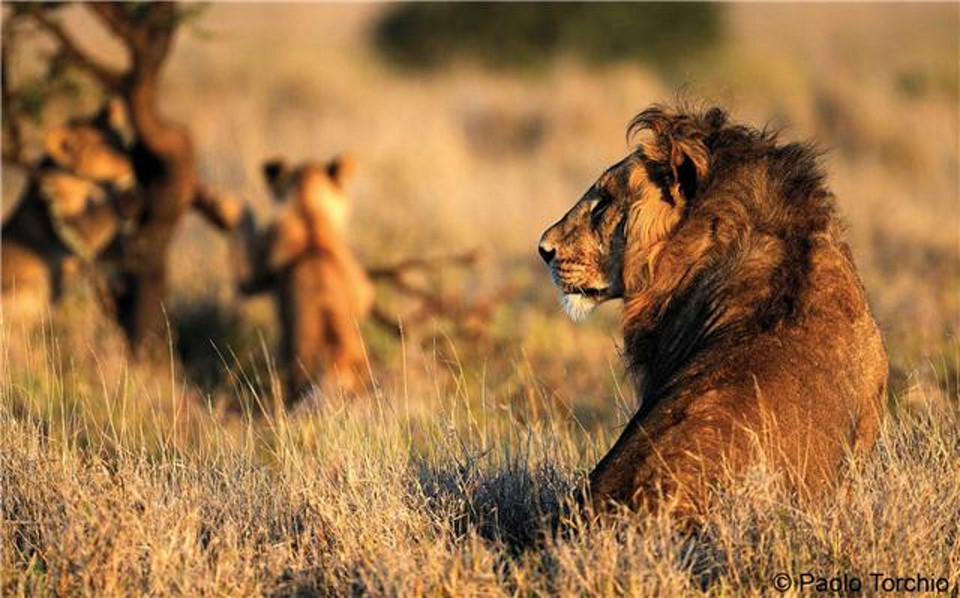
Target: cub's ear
{"points": [[113, 121], [60, 144], [277, 174], [114, 117], [341, 169]]}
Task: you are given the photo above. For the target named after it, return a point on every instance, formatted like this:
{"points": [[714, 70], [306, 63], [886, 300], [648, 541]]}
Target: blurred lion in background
{"points": [[75, 203], [321, 291], [746, 327]]}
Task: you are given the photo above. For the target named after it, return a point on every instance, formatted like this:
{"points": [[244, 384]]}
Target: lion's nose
{"points": [[547, 252]]}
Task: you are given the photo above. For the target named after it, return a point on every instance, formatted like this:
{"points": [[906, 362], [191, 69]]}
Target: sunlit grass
{"points": [[141, 490]]}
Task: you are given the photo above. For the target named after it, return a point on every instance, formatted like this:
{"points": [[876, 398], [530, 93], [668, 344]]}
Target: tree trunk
{"points": [[165, 166]]}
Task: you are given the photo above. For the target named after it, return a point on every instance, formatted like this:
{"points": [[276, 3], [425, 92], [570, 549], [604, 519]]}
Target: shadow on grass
{"points": [[512, 506], [222, 352]]}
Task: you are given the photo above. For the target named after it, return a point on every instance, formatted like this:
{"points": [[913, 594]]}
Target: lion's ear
{"points": [[113, 120], [116, 119], [60, 144], [341, 169], [689, 164], [678, 145], [277, 174]]}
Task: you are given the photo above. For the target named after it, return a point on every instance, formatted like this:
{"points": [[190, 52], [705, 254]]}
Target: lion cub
{"points": [[322, 292], [74, 205]]}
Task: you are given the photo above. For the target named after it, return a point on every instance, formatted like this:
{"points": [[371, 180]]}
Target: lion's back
{"points": [[801, 396]]}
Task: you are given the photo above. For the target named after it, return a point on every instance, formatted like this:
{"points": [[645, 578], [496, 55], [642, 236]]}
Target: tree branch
{"points": [[13, 148], [147, 36], [394, 271], [111, 13], [106, 76], [219, 209], [429, 304]]}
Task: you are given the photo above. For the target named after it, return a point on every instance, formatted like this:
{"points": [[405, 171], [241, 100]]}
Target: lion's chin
{"points": [[578, 306]]}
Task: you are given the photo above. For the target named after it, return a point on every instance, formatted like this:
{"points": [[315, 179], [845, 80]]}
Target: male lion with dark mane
{"points": [[746, 327]]}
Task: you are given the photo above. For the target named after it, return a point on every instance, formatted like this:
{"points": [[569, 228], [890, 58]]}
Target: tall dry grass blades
{"points": [[378, 499]]}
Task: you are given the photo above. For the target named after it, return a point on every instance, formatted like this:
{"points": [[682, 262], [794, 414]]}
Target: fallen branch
{"points": [[429, 304], [395, 271]]}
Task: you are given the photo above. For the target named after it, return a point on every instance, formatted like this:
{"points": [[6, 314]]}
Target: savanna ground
{"points": [[456, 474]]}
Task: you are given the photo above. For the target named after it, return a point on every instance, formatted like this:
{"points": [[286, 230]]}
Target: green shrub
{"points": [[527, 35]]}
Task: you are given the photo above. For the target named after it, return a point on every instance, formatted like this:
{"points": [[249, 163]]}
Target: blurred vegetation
{"points": [[214, 342], [528, 35]]}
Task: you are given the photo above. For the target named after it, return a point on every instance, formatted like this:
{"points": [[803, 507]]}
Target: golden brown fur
{"points": [[73, 206], [322, 292], [745, 324]]}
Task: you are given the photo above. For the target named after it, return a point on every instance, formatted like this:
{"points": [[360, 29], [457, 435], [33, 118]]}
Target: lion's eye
{"points": [[599, 207]]}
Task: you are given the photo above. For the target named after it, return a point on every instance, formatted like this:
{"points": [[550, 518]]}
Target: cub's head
{"points": [[94, 148], [606, 244], [318, 190]]}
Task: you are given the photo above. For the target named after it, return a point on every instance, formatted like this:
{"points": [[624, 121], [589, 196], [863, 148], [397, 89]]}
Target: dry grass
{"points": [[456, 475], [128, 492]]}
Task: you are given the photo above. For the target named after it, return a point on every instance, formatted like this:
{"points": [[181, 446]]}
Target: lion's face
{"points": [[88, 152], [584, 250], [318, 190], [603, 246], [87, 179]]}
